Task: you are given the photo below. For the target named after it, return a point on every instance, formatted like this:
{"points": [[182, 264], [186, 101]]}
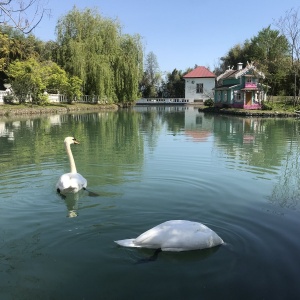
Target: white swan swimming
{"points": [[70, 182], [175, 235]]}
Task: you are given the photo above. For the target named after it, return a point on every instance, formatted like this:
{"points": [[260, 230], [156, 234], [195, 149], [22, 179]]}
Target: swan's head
{"points": [[70, 140]]}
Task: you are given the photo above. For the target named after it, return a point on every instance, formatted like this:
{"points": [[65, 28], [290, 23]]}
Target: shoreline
{"points": [[249, 113], [8, 111]]}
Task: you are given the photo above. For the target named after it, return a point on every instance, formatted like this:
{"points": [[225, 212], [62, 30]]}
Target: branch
{"points": [[16, 17]]}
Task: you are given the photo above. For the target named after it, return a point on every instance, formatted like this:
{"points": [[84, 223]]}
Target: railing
{"points": [[58, 98], [2, 94], [250, 85]]}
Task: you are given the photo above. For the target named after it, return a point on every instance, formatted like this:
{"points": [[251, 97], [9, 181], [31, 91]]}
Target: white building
{"points": [[199, 85]]}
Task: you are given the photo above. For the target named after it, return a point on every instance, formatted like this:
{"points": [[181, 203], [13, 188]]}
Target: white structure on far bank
{"points": [[199, 85]]}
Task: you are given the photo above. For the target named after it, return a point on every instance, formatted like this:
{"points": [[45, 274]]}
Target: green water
{"points": [[239, 176]]}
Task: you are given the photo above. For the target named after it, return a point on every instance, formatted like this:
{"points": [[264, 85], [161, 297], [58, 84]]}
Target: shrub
{"points": [[209, 102], [8, 99], [266, 106]]}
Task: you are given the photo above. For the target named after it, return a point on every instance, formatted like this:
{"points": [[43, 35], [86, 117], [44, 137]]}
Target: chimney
{"points": [[240, 66]]}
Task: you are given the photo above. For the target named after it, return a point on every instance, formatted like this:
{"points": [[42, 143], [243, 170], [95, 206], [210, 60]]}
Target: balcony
{"points": [[250, 85]]}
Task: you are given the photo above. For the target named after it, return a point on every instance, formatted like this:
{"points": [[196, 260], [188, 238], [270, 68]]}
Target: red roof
{"points": [[200, 72]]}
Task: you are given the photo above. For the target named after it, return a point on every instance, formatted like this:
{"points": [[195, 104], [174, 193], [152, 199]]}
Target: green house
{"points": [[240, 88]]}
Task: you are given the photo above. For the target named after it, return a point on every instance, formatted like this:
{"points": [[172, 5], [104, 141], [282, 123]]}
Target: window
{"points": [[199, 88], [249, 80]]}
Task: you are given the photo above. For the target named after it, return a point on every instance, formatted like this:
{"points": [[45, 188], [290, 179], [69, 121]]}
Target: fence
{"points": [[2, 94], [59, 98]]}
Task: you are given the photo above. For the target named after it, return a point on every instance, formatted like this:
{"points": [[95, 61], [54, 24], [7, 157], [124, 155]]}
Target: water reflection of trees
{"points": [[286, 192], [103, 135], [257, 142], [154, 118], [270, 145]]}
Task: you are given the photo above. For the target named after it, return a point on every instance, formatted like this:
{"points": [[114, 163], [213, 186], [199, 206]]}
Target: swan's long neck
{"points": [[71, 158]]}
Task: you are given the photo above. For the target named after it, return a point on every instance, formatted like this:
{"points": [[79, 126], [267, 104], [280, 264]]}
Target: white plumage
{"points": [[175, 235], [71, 182]]}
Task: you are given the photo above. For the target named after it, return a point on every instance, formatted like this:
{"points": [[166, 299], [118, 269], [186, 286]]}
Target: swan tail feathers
{"points": [[127, 243]]}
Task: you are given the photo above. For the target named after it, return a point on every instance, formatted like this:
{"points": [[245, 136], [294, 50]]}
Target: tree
{"points": [[151, 80], [128, 68], [92, 48], [237, 54], [269, 50], [290, 27], [14, 13], [31, 79], [175, 84]]}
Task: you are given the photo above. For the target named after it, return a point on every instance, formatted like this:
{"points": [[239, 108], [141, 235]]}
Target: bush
{"points": [[8, 99], [209, 102], [266, 106]]}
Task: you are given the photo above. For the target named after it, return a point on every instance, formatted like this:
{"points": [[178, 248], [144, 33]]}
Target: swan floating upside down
{"points": [[70, 182], [175, 235]]}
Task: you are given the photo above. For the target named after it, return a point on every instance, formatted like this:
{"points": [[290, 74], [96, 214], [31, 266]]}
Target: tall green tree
{"points": [[175, 84], [237, 54], [128, 68], [270, 51], [151, 80], [289, 25], [93, 48]]}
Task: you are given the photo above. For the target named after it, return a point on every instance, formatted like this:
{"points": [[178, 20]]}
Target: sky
{"points": [[180, 33]]}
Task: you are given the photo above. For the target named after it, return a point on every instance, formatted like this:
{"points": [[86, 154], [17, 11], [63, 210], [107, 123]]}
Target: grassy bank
{"points": [[8, 110], [249, 113]]}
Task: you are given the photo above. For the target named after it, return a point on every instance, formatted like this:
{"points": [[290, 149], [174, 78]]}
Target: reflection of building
{"points": [[196, 125], [55, 120], [240, 88], [4, 132], [199, 85]]}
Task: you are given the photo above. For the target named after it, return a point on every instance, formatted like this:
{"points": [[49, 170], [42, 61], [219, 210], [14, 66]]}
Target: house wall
{"points": [[2, 94], [190, 89], [223, 97]]}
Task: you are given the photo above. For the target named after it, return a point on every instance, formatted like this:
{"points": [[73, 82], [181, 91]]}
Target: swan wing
{"points": [[71, 183], [176, 235]]}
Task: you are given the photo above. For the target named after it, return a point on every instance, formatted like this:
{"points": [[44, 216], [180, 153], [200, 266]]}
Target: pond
{"points": [[238, 176]]}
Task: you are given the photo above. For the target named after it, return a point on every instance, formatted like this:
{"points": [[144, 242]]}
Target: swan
{"points": [[70, 182], [175, 235]]}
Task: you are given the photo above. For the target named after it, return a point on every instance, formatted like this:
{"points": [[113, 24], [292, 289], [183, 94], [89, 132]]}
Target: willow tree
{"points": [[92, 48], [128, 68]]}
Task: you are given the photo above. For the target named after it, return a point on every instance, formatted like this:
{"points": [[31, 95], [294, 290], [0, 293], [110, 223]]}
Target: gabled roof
{"points": [[200, 72], [230, 73]]}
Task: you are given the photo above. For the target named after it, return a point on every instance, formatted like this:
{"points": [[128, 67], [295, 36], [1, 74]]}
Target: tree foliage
{"points": [[150, 83], [289, 26], [93, 48], [31, 79], [268, 50], [175, 84]]}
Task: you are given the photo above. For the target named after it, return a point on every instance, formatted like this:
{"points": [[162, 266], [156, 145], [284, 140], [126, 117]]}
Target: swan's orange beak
{"points": [[75, 141]]}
